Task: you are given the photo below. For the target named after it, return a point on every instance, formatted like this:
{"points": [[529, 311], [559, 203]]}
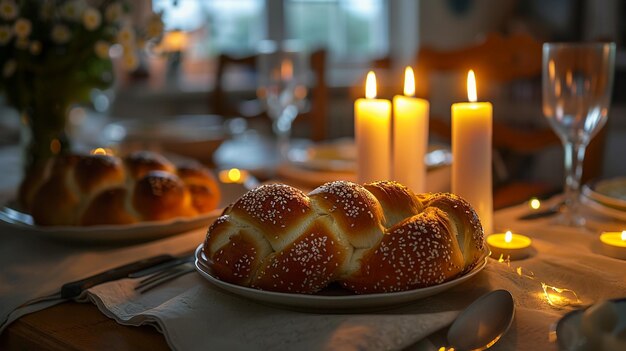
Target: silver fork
{"points": [[163, 277]]}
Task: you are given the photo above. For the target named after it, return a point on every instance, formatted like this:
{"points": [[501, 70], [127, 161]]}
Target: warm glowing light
{"points": [[560, 297], [505, 259], [300, 92], [234, 175], [370, 85], [409, 82], [471, 86], [174, 41], [508, 236], [101, 151], [55, 146], [525, 273], [286, 69], [551, 69], [515, 246], [569, 78], [614, 244], [534, 203]]}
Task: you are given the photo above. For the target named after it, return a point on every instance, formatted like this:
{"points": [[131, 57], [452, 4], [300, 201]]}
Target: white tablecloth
{"points": [[194, 315]]}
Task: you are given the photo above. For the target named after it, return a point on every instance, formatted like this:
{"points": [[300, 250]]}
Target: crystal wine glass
{"points": [[283, 74], [577, 85]]}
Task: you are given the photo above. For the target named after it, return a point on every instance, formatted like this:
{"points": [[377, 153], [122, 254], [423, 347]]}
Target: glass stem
{"points": [[574, 156], [282, 129]]}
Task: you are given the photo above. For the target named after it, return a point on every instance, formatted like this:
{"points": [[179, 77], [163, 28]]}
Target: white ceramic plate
{"points": [[610, 192], [331, 300], [21, 224], [603, 209], [569, 336]]}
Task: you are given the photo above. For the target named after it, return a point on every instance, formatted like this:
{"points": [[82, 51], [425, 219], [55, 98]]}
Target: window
{"points": [[226, 25], [350, 29]]}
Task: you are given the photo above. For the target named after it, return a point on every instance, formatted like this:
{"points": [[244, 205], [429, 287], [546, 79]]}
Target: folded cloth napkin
{"points": [[33, 267], [194, 315]]}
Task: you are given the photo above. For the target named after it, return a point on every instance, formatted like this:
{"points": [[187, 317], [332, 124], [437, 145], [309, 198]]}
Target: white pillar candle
{"points": [[410, 136], [471, 154], [372, 132]]}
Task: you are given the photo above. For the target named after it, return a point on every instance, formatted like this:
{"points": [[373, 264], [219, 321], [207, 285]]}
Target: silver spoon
{"points": [[483, 322]]}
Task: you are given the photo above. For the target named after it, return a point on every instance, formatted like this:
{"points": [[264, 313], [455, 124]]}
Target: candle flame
{"points": [[534, 203], [370, 85], [624, 235], [286, 69], [409, 82], [234, 175], [471, 86], [508, 236], [102, 151]]}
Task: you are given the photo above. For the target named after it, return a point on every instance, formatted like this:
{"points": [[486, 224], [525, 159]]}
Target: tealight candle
{"points": [[614, 244], [233, 176], [515, 246]]}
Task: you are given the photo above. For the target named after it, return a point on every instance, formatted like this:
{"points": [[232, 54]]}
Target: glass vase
{"points": [[44, 132]]}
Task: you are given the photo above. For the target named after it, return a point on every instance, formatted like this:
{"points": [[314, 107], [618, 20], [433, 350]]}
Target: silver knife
{"points": [[552, 210]]}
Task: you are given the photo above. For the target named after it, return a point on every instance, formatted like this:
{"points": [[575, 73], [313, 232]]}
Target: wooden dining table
{"points": [[560, 255]]}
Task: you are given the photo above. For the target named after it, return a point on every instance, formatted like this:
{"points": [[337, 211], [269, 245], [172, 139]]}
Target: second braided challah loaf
{"points": [[109, 190], [375, 238]]}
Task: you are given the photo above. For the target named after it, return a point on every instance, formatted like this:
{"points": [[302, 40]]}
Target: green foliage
{"points": [[57, 50]]}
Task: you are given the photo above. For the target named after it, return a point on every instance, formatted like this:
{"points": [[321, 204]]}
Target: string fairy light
{"points": [[555, 297]]}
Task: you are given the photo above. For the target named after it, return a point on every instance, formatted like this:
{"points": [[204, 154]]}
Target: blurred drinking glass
{"points": [[283, 77], [577, 85]]}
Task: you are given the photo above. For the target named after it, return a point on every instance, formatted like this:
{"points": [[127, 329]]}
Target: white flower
{"points": [[72, 10], [131, 61], [35, 47], [126, 36], [102, 49], [113, 12], [6, 32], [22, 28], [8, 9], [9, 68], [92, 18], [60, 34]]}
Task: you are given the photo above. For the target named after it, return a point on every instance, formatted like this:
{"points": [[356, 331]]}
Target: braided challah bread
{"points": [[104, 189], [375, 238]]}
